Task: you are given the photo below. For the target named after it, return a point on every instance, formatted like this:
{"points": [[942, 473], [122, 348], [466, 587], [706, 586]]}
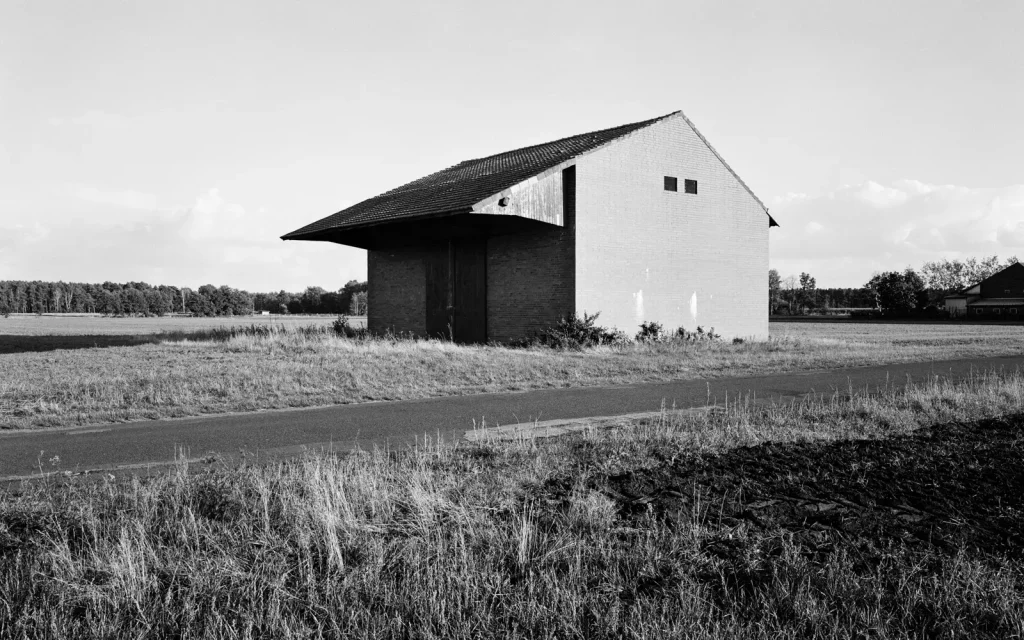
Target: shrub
{"points": [[700, 335], [574, 332], [342, 328], [651, 332]]}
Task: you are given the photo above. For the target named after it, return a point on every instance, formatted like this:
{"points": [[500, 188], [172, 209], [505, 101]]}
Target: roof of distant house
{"points": [[967, 291], [457, 188]]}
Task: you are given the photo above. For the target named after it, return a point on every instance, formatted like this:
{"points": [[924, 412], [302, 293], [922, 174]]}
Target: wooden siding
{"points": [[539, 198]]}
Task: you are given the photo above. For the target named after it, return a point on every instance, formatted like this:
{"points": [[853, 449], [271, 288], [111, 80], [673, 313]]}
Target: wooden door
{"points": [[439, 308], [470, 290]]}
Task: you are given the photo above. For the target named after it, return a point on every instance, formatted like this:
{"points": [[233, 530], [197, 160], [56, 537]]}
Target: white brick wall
{"points": [[646, 254]]}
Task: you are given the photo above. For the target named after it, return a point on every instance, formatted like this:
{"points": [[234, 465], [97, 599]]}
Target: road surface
{"points": [[137, 445]]}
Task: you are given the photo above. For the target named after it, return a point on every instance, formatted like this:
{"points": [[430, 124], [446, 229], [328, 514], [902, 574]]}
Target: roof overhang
{"points": [[997, 302], [425, 230]]}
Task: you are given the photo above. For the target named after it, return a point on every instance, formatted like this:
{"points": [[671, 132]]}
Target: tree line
{"points": [[142, 299], [892, 292], [349, 300]]}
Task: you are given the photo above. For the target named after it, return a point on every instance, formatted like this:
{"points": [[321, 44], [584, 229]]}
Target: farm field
{"points": [[53, 381], [887, 516], [31, 332]]}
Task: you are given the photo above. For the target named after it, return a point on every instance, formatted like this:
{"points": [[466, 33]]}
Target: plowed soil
{"points": [[953, 486]]}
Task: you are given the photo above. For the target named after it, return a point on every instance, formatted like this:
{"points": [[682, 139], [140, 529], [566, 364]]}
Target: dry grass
{"points": [[457, 542], [192, 373], [25, 324]]}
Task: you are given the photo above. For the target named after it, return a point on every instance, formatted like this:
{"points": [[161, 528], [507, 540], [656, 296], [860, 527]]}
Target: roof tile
{"points": [[456, 189]]}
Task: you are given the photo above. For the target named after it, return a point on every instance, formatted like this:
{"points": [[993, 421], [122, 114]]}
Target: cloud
{"points": [[121, 235], [92, 119], [843, 236], [119, 198], [20, 235]]}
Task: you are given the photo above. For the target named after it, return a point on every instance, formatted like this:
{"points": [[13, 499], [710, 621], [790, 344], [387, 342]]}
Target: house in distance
{"points": [[998, 297], [642, 222]]}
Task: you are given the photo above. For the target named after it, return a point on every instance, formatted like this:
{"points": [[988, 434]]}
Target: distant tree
{"points": [[156, 303], [109, 302], [351, 288], [200, 302], [774, 290], [898, 294], [133, 302], [358, 306], [312, 300], [790, 289], [808, 297], [238, 302]]}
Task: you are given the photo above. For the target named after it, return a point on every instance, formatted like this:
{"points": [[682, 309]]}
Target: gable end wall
{"points": [[646, 254]]}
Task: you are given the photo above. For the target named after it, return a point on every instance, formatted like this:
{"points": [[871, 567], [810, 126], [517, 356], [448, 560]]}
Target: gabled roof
{"points": [[457, 188], [975, 289]]}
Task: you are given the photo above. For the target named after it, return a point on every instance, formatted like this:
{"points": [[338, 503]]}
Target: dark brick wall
{"points": [[531, 275], [397, 296]]}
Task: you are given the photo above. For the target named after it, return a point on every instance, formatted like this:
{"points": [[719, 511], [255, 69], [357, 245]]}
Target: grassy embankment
{"points": [[220, 370], [530, 539]]}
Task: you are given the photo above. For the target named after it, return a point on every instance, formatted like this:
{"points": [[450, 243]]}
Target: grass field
{"points": [[31, 332], [897, 515], [194, 372]]}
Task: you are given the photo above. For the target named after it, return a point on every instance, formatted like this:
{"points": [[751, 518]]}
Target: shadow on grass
{"points": [[30, 344], [10, 343]]}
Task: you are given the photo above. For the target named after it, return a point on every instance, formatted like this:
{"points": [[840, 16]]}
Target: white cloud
{"points": [[214, 218], [21, 235], [119, 198], [843, 236], [121, 235]]}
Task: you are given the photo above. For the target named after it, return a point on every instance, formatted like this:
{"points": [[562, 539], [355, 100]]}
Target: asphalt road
{"points": [[274, 433]]}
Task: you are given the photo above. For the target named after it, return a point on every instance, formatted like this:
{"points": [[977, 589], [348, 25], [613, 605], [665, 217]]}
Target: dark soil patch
{"points": [[950, 487]]}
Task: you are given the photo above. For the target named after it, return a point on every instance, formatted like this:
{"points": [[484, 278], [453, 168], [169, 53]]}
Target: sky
{"points": [[175, 142]]}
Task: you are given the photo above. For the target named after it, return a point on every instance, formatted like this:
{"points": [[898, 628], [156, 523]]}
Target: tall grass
{"points": [[456, 541], [268, 367]]}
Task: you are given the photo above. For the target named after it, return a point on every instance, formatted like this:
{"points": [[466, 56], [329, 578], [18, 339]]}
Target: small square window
{"points": [[996, 311], [671, 184], [1006, 291], [979, 311], [1013, 312], [690, 186]]}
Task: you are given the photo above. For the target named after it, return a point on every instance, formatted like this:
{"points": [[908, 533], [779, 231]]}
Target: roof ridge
{"points": [[724, 163], [632, 125]]}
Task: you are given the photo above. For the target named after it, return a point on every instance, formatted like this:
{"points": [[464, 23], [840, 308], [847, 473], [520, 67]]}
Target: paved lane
{"points": [[400, 423]]}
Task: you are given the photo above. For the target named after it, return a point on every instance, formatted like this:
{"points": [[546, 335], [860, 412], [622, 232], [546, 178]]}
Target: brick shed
{"points": [[642, 222]]}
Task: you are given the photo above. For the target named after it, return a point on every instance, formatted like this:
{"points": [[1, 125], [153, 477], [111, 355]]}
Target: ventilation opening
{"points": [[690, 186], [671, 184]]}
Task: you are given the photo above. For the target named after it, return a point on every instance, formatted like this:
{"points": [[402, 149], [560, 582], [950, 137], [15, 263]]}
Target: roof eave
{"points": [[313, 235]]}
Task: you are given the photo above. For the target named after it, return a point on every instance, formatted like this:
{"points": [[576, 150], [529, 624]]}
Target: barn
{"points": [[641, 222], [998, 297]]}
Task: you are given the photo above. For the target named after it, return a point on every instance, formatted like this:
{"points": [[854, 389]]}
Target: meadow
{"points": [[891, 515], [193, 371]]}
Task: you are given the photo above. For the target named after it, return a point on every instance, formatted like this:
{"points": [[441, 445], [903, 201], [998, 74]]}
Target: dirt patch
{"points": [[950, 487]]}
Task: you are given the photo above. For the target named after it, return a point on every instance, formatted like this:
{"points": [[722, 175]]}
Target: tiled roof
{"points": [[456, 189]]}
